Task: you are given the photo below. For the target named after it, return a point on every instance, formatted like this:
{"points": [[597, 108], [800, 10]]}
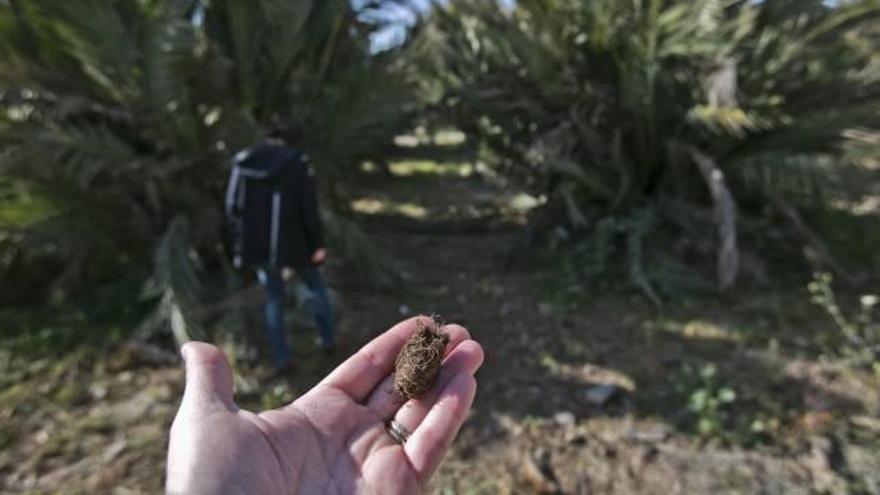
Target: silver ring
{"points": [[398, 432]]}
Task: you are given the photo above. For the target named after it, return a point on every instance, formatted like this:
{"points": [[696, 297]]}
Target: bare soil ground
{"points": [[799, 423]]}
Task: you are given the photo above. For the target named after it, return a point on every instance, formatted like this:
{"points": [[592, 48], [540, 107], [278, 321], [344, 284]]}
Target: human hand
{"points": [[330, 440], [319, 256]]}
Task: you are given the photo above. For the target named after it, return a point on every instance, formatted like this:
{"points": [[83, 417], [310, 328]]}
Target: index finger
{"points": [[363, 371]]}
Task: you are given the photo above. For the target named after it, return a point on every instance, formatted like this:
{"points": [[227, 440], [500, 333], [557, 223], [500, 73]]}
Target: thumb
{"points": [[208, 376]]}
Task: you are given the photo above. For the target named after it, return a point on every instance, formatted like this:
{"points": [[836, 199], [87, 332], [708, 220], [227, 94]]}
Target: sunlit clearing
{"points": [[586, 373], [449, 138], [425, 167], [700, 329], [373, 206], [523, 202], [406, 141], [369, 168]]}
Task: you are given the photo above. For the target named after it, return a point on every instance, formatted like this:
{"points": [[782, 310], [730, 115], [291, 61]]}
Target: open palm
{"points": [[331, 440]]}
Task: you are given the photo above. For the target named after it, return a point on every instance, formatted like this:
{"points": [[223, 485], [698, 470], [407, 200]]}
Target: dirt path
{"points": [[536, 427], [97, 426]]}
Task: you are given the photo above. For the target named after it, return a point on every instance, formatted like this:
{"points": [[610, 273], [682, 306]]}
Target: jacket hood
{"points": [[264, 161]]}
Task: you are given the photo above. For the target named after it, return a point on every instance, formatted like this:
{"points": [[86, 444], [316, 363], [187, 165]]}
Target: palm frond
{"points": [[176, 282], [769, 90], [80, 153], [127, 112]]}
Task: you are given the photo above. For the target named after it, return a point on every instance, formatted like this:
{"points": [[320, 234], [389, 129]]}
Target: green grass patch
{"points": [[408, 168]]}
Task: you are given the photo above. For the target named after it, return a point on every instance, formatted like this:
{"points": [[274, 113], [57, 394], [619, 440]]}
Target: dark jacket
{"points": [[272, 204]]}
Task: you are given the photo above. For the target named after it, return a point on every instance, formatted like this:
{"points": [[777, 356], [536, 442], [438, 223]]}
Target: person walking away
{"points": [[272, 204]]}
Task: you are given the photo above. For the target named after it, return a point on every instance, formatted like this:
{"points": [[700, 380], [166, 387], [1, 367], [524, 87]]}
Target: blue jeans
{"points": [[319, 303]]}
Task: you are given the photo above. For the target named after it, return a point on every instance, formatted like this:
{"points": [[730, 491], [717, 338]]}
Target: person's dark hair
{"points": [[289, 132]]}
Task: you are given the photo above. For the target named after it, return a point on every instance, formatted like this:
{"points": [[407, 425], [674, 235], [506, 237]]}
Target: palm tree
{"points": [[632, 114], [124, 117]]}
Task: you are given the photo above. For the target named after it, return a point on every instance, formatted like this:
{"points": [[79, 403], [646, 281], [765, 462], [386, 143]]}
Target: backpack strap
{"points": [[234, 204], [234, 197]]}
